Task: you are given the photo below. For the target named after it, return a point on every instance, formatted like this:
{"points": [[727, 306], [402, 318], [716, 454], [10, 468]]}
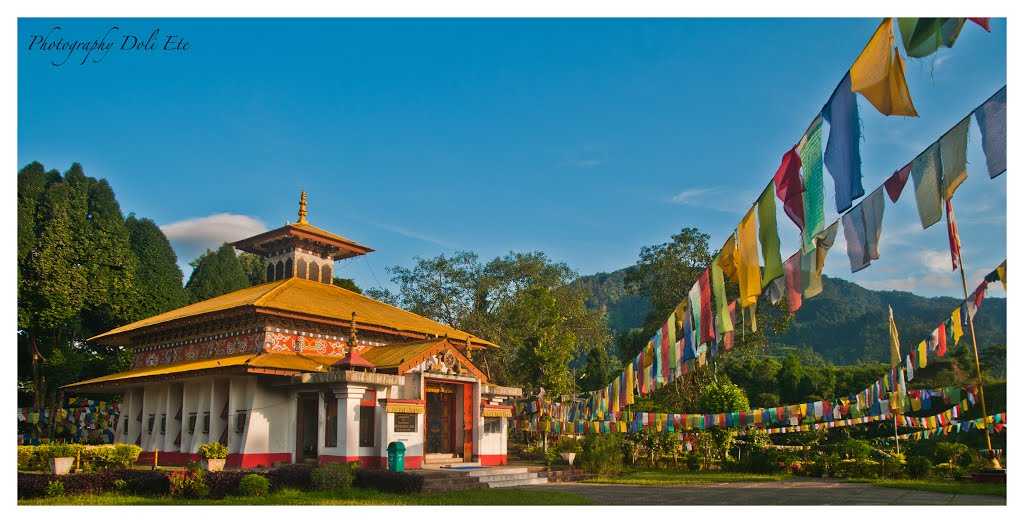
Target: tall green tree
{"points": [[254, 266], [158, 285], [215, 273], [665, 272], [524, 302]]}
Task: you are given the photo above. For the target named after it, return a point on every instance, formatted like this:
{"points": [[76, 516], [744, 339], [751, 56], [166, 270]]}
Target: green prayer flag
{"points": [[723, 323], [814, 188], [768, 232], [923, 36], [925, 170]]}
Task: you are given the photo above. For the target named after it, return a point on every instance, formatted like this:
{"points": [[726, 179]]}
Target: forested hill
{"points": [[846, 323]]}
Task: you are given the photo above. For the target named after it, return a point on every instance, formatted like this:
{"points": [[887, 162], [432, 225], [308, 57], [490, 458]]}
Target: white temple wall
{"points": [[174, 412]]}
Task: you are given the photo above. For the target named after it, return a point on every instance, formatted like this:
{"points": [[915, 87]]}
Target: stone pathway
{"points": [[788, 492]]}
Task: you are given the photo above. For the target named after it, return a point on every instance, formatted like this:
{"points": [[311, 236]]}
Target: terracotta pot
{"points": [[61, 466], [215, 465]]}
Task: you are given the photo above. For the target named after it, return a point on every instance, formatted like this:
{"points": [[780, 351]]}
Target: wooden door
{"points": [[467, 422], [307, 418]]}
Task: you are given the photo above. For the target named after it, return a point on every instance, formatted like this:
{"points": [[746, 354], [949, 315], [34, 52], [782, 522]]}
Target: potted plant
{"points": [[214, 455], [568, 447], [62, 458]]}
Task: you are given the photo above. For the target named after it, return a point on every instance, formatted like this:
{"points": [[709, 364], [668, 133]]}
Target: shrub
{"points": [[254, 485], [224, 483], [63, 450], [602, 454], [692, 461], [569, 444], [189, 484], [213, 450], [949, 471], [36, 485], [26, 453], [388, 481], [551, 456], [54, 489], [146, 482], [91, 457], [332, 477], [297, 476], [120, 485], [919, 467]]}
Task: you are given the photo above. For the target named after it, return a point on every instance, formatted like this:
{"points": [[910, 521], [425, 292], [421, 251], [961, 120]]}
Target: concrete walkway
{"points": [[788, 492]]}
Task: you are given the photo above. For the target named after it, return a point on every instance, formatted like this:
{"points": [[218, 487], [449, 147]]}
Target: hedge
{"points": [[93, 457], [388, 481]]}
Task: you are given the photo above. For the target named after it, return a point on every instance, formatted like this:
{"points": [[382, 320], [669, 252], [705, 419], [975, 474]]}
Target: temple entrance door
{"points": [[307, 426], [440, 418]]}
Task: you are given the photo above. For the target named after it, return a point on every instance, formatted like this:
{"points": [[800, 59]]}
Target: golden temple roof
{"points": [[304, 298]]}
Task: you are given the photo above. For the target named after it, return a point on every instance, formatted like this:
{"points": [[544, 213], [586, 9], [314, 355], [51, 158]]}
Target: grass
{"points": [[941, 485], [352, 497], [656, 477]]}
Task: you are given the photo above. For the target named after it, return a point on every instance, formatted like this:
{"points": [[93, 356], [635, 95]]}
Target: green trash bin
{"points": [[396, 456]]}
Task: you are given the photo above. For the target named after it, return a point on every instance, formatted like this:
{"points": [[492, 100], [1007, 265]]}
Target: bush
{"points": [[213, 450], [692, 461], [91, 457], [224, 483], [388, 481], [602, 454], [297, 476], [146, 482], [949, 471], [54, 489], [36, 485], [254, 485], [188, 484], [569, 444], [332, 477], [919, 467]]}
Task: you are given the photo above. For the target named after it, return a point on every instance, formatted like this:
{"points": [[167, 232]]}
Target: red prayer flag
{"points": [[793, 286], [707, 327], [983, 22], [789, 187], [954, 234], [894, 185], [940, 340], [979, 294]]}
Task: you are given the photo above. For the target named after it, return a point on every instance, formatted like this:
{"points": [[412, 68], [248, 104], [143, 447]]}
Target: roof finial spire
{"points": [[302, 207]]}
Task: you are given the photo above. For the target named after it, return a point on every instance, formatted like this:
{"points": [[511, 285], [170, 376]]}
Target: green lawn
{"points": [[353, 497], [656, 477], [941, 485]]}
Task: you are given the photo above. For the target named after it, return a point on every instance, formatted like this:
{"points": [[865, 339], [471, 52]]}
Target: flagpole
{"points": [[894, 359], [977, 365]]}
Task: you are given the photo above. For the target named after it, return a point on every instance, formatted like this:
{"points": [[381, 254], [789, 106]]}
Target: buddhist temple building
{"points": [[298, 369]]}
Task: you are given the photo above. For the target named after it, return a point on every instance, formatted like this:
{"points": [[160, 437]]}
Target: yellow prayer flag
{"points": [[957, 325], [1001, 272], [878, 74], [727, 257], [894, 341], [629, 384], [747, 263], [922, 354]]}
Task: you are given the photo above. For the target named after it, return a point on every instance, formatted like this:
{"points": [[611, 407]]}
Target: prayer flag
{"points": [[790, 188], [923, 36], [956, 325], [730, 336], [723, 323], [747, 263], [809, 149], [922, 354], [877, 74], [953, 157], [695, 306], [666, 361], [983, 22], [926, 171], [823, 242], [894, 184], [794, 290], [894, 341], [991, 118], [673, 358], [768, 232], [939, 337], [953, 233], [862, 228], [707, 326], [842, 151]]}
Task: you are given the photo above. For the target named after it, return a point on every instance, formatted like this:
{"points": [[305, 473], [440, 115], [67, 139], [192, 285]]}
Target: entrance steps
{"points": [[491, 477]]}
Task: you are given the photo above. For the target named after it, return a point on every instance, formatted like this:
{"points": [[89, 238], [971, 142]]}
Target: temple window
{"points": [[206, 422], [163, 424], [492, 425], [270, 272], [149, 423], [240, 417], [279, 271], [288, 268], [331, 422], [314, 271], [366, 422], [300, 269], [192, 423], [325, 274], [125, 426]]}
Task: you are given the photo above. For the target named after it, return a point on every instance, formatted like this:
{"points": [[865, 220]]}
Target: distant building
{"points": [[297, 369]]}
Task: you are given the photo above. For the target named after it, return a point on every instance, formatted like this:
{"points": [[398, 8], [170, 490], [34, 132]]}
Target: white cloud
{"points": [[408, 233], [693, 196], [192, 236], [936, 261]]}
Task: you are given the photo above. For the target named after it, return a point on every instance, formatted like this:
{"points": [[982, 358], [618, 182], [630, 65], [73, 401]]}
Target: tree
{"points": [[253, 266], [790, 378], [721, 395], [347, 283], [215, 273], [523, 302], [666, 271], [158, 278]]}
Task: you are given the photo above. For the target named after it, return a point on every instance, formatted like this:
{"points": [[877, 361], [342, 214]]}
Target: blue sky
{"points": [[585, 139]]}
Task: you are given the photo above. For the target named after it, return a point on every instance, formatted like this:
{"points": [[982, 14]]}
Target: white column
{"points": [[172, 405], [382, 430], [349, 397]]}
